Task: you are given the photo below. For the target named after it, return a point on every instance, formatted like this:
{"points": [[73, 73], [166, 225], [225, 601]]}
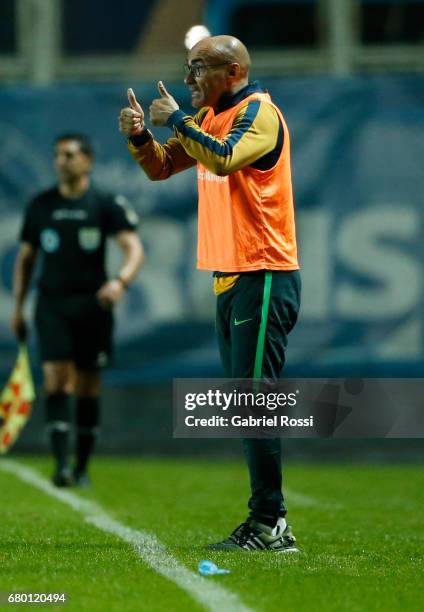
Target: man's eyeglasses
{"points": [[67, 154], [198, 70]]}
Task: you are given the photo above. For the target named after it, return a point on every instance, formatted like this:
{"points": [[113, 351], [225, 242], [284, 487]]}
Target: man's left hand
{"points": [[163, 107], [110, 293]]}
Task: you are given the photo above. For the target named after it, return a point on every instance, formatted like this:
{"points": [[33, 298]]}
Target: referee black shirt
{"points": [[71, 235]]}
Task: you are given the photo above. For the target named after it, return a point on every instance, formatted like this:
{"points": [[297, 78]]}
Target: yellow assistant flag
{"points": [[16, 401]]}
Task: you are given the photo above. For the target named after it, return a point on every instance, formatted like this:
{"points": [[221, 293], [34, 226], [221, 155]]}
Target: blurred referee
{"points": [[68, 225]]}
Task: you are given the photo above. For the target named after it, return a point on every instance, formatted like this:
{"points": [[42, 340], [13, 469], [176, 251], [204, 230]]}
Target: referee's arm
{"points": [[112, 291], [24, 266], [133, 253]]}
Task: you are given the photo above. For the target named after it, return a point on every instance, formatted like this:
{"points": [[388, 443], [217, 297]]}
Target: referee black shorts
{"points": [[74, 329]]}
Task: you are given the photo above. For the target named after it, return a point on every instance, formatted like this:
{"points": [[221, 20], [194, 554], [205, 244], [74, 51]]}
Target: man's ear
{"points": [[234, 70]]}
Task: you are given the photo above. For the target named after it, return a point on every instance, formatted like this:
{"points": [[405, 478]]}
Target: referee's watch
{"points": [[125, 284]]}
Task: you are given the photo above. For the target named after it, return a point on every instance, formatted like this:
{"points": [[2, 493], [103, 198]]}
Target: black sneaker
{"points": [[252, 535], [81, 480], [63, 478]]}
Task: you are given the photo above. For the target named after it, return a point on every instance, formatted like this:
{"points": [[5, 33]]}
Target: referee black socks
{"points": [[87, 420], [58, 413]]}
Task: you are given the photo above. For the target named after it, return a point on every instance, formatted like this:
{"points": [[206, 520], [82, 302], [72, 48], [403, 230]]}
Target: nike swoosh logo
{"points": [[240, 322]]}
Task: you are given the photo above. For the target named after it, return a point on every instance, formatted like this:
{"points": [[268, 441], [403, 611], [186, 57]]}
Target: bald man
{"points": [[246, 236]]}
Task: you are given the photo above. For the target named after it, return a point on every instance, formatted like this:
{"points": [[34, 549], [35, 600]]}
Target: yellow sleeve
{"points": [[162, 161], [253, 134]]}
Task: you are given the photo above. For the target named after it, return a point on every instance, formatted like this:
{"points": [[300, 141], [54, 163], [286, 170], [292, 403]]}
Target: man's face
{"points": [[207, 79], [70, 162]]}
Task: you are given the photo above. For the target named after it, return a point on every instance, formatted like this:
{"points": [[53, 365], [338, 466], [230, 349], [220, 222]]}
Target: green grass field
{"points": [[360, 528]]}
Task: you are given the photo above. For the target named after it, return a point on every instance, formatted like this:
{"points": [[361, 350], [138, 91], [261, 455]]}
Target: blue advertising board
{"points": [[357, 156]]}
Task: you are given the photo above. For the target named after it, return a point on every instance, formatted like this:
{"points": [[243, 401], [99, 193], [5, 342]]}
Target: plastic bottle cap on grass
{"points": [[208, 568]]}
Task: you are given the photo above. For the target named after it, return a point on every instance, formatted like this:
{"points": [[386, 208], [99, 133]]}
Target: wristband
{"points": [[140, 139]]}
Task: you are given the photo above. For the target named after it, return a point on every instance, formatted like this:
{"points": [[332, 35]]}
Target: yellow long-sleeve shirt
{"points": [[255, 133], [255, 139]]}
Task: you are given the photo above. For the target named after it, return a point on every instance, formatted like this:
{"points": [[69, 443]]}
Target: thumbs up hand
{"points": [[162, 107], [131, 118]]}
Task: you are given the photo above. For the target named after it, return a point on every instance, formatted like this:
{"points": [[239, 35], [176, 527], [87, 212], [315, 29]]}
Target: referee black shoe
{"points": [[63, 478], [81, 480], [253, 536]]}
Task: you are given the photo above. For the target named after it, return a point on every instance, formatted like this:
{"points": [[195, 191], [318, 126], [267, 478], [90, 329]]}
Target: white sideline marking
{"points": [[211, 595]]}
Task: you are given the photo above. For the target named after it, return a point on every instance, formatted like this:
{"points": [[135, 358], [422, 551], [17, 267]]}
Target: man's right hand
{"points": [[131, 119], [19, 326]]}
